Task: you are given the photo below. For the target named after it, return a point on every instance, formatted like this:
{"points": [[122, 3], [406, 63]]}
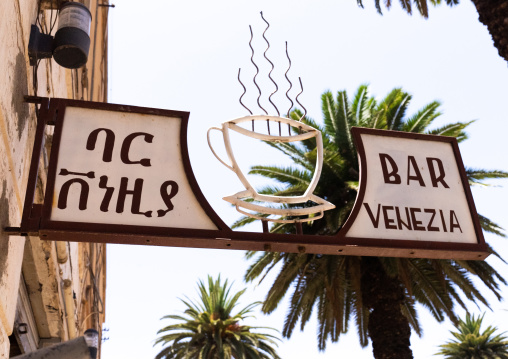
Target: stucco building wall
{"points": [[49, 292]]}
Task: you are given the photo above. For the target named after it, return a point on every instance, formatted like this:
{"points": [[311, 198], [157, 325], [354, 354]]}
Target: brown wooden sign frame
{"points": [[36, 217]]}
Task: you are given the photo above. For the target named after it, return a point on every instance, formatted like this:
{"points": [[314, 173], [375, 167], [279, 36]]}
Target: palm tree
{"points": [[379, 293], [469, 343], [209, 329], [491, 13]]}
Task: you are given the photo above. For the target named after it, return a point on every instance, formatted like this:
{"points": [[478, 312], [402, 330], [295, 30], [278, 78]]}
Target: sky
{"points": [[185, 55]]}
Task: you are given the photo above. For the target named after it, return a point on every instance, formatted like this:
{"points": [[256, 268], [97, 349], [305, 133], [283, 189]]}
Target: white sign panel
{"points": [[123, 168], [411, 189]]}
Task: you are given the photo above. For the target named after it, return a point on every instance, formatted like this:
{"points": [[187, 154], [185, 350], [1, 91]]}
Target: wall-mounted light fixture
{"points": [[71, 43]]}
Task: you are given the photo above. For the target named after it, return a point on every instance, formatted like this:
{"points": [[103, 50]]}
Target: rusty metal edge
{"points": [[261, 243]]}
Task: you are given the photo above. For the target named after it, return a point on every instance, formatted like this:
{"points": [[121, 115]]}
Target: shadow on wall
{"points": [[19, 90], [4, 222]]}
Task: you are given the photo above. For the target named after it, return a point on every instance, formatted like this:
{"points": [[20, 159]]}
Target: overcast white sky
{"points": [[184, 55]]}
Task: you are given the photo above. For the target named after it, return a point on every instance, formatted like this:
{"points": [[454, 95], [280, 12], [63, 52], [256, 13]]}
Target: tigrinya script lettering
{"points": [[168, 189]]}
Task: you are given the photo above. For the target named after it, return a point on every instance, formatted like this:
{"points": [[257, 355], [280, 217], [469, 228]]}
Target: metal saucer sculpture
{"points": [[291, 209]]}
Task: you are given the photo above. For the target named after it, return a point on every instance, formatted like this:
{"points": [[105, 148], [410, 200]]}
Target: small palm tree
{"points": [[470, 343], [210, 330]]}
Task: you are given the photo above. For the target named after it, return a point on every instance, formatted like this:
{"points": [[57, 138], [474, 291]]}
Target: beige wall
{"points": [[33, 272]]}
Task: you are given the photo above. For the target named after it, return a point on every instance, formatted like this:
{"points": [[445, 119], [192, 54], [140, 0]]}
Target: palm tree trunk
{"points": [[494, 14], [388, 328]]}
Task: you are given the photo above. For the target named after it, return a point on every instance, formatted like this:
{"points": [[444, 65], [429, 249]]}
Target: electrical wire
{"points": [[52, 22]]}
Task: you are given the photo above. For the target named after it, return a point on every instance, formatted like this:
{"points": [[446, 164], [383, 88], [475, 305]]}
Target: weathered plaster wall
{"points": [[4, 343], [32, 260], [16, 121]]}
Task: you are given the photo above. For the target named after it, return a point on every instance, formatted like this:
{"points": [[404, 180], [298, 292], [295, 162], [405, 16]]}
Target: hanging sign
{"points": [[118, 170], [121, 174], [413, 187], [123, 168]]}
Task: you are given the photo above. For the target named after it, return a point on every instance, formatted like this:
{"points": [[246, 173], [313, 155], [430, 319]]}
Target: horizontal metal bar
{"points": [[261, 242], [12, 230], [34, 99]]}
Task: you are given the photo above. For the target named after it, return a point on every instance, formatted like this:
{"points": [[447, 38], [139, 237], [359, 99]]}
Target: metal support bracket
{"points": [[30, 220], [40, 46]]}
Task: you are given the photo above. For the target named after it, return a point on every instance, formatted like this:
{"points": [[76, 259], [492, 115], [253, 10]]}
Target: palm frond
{"points": [[290, 175], [452, 130], [491, 227], [293, 151], [360, 105], [476, 175], [343, 123], [422, 7], [422, 119]]}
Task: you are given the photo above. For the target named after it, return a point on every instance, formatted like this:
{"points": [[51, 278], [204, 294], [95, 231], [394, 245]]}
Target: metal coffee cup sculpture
{"points": [[240, 199]]}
